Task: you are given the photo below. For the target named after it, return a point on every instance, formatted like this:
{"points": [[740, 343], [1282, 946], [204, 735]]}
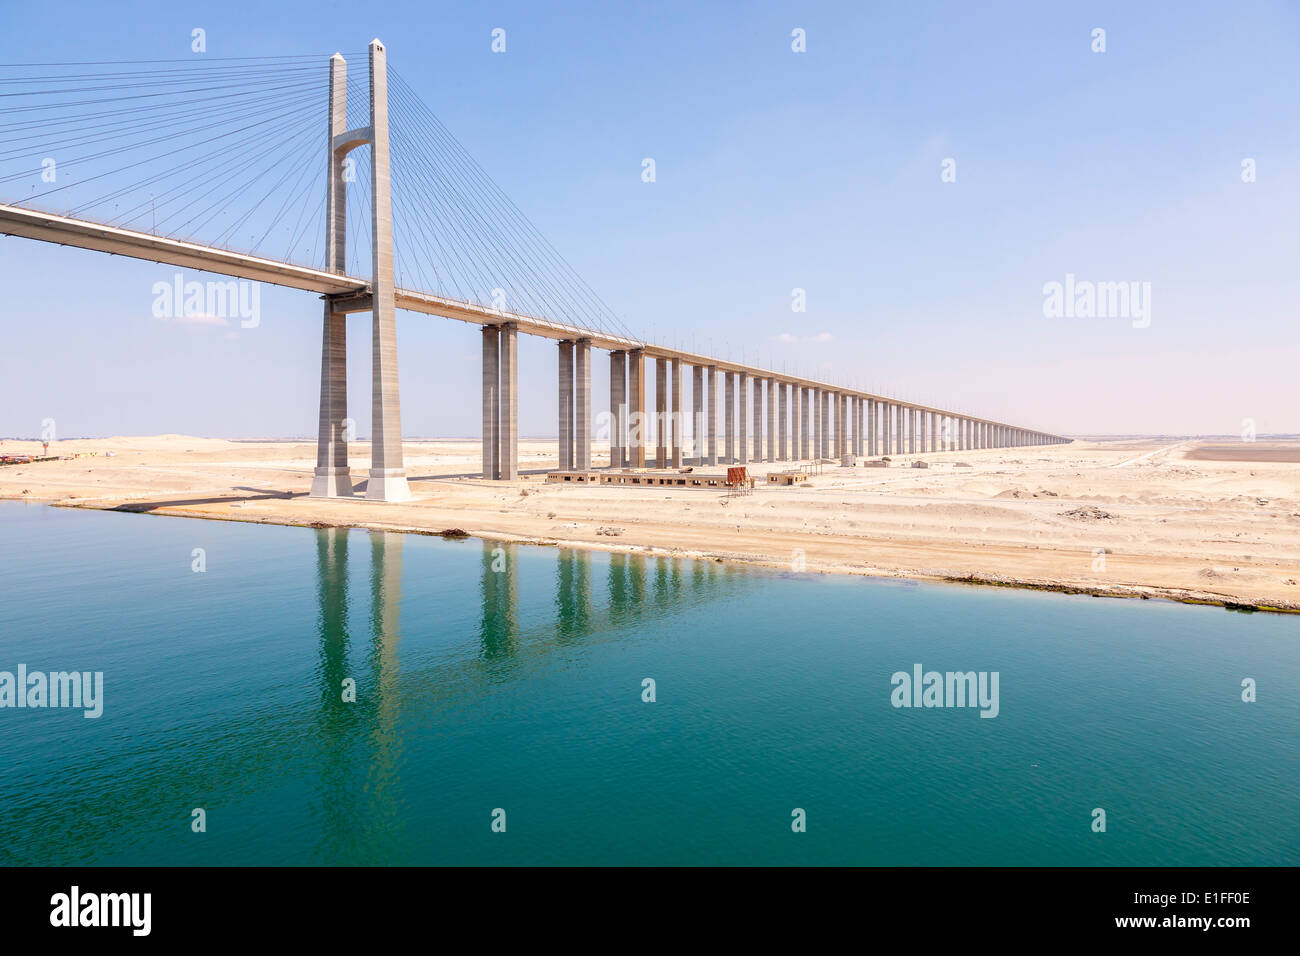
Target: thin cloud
{"points": [[197, 319], [789, 339]]}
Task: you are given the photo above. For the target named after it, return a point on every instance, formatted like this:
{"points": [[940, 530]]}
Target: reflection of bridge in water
{"points": [[637, 588], [597, 598]]}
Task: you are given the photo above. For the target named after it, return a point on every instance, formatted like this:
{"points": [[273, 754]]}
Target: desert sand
{"points": [[1184, 520]]}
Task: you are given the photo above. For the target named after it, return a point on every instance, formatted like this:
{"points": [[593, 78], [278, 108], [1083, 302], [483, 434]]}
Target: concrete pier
{"points": [[332, 478], [638, 427], [661, 412], [697, 414], [713, 374], [491, 402], [742, 415], [675, 376], [858, 411], [618, 410], [807, 450], [871, 428], [566, 406], [796, 421], [582, 400], [770, 447], [387, 481], [783, 414], [824, 424], [509, 420], [841, 431], [729, 419]]}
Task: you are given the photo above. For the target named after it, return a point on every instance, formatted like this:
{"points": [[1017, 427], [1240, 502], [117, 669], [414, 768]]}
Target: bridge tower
{"points": [[387, 480]]}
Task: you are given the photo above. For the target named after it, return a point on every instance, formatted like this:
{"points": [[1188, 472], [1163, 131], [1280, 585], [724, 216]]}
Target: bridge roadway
{"points": [[351, 294]]}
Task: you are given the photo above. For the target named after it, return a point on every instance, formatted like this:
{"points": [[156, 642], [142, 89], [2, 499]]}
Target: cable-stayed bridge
{"points": [[217, 165]]}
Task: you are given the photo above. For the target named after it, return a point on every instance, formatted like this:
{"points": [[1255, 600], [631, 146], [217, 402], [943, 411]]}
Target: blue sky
{"points": [[775, 170]]}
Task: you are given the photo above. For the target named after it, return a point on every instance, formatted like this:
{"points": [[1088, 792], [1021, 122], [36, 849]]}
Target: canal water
{"points": [[504, 687]]}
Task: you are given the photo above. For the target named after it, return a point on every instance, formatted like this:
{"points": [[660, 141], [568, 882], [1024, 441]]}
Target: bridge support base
{"points": [[388, 484], [332, 483]]}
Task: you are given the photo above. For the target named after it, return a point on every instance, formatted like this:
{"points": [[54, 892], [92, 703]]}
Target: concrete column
{"points": [[618, 409], [697, 417], [796, 421], [509, 401], [758, 421], [742, 414], [566, 406], [841, 429], [713, 414], [387, 475], [783, 414], [677, 425], [832, 424], [637, 425], [661, 412], [582, 405], [900, 419], [807, 450], [771, 420], [819, 422], [491, 402], [828, 424], [858, 404], [826, 443], [332, 478], [729, 420], [871, 427]]}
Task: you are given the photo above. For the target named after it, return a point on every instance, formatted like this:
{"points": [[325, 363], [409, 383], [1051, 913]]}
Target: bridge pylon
{"points": [[387, 479]]}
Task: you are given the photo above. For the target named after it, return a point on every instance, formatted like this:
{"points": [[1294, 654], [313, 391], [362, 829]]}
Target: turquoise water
{"points": [[513, 680]]}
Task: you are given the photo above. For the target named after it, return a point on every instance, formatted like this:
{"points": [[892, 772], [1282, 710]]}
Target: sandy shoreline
{"points": [[1141, 518]]}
